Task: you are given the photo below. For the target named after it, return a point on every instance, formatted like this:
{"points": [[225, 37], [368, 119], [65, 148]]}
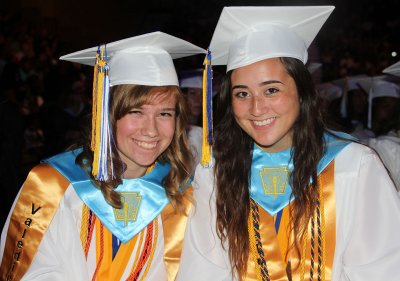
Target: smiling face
{"points": [[265, 103], [145, 132]]}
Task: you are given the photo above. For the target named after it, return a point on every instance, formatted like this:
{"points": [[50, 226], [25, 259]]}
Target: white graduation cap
{"points": [[379, 86], [245, 35], [347, 84], [393, 69], [329, 91], [350, 82], [191, 79], [313, 66], [143, 60]]}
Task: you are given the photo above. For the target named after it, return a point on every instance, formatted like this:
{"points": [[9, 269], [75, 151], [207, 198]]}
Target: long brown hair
{"points": [[232, 170], [122, 99]]}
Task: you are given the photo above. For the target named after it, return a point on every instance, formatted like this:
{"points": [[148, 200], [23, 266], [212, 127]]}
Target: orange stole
{"points": [[275, 246], [174, 226], [36, 206]]}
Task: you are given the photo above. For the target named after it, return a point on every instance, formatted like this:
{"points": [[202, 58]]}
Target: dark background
{"points": [[82, 24]]}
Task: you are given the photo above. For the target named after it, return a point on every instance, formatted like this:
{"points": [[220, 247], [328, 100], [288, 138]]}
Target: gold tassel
{"points": [[207, 111], [97, 109]]}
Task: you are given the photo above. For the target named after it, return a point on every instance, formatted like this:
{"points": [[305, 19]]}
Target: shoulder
{"points": [[385, 142], [359, 165], [204, 173], [354, 155], [203, 182], [195, 130]]}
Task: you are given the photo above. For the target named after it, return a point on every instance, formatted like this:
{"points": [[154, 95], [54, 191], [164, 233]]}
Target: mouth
{"points": [[263, 122], [146, 145]]}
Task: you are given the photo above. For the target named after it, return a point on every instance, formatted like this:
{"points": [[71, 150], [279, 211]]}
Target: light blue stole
{"points": [[143, 198], [270, 185]]}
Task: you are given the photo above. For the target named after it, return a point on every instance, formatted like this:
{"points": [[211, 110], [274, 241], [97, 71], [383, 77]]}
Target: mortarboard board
{"points": [[141, 60], [393, 69], [245, 35]]}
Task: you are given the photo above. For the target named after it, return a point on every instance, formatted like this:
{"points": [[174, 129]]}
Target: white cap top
{"points": [[351, 82], [313, 66], [143, 60], [245, 35], [380, 86], [191, 79], [394, 69], [329, 91]]}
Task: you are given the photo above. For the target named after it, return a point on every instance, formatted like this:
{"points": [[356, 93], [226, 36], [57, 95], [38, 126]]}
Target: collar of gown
{"points": [[143, 198], [270, 186]]}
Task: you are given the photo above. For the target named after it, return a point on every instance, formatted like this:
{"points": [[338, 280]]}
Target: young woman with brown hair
{"points": [[116, 208]]}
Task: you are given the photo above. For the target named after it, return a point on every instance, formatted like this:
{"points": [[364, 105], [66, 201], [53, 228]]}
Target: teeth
{"points": [[264, 122], [146, 144]]}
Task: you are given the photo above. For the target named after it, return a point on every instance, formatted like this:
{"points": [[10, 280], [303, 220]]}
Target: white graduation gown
{"points": [[195, 135], [60, 255], [388, 148], [367, 224]]}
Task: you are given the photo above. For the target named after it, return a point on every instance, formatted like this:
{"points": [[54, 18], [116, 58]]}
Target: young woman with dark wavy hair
{"points": [[285, 197]]}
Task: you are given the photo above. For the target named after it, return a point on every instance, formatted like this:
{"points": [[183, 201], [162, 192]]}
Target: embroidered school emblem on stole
{"points": [[274, 180], [131, 204]]}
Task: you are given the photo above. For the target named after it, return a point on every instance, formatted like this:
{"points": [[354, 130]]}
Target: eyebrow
{"points": [[261, 84], [162, 109]]}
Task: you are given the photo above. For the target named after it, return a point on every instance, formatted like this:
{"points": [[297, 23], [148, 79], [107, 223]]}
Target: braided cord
{"points": [[303, 256], [152, 250], [147, 252], [312, 248], [84, 226], [322, 223], [256, 244]]}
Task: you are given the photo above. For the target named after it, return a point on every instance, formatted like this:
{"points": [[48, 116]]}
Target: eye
{"points": [[271, 91], [241, 94], [135, 111], [167, 114]]}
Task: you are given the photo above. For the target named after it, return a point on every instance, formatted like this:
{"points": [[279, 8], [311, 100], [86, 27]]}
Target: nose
{"points": [[257, 106], [150, 128]]}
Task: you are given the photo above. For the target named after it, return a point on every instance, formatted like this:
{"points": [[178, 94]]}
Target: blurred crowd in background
{"points": [[44, 102]]}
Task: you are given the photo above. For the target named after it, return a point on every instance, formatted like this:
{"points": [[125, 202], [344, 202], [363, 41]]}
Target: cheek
{"points": [[288, 106], [239, 108], [169, 128], [125, 126]]}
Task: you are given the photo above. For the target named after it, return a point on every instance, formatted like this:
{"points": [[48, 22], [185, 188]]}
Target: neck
{"points": [[137, 172]]}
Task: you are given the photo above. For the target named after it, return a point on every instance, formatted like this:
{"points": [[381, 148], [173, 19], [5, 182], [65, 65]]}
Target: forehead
{"points": [[161, 97], [266, 69]]}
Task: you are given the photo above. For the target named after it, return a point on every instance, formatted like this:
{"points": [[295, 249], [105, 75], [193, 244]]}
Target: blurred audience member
{"points": [[191, 84]]}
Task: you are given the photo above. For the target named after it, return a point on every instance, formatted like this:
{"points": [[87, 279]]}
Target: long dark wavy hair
{"points": [[232, 170], [122, 99]]}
